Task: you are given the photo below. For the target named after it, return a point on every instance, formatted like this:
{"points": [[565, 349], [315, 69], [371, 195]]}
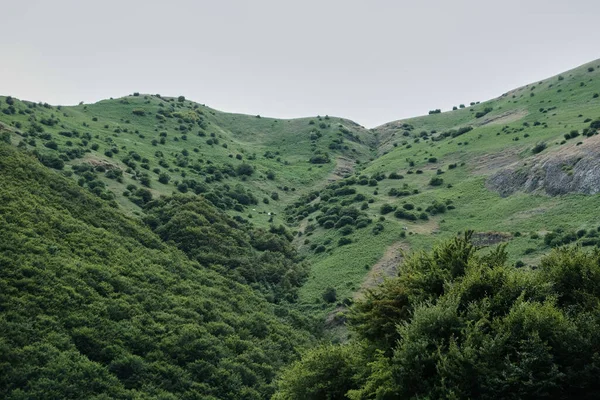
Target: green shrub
{"points": [[436, 181]]}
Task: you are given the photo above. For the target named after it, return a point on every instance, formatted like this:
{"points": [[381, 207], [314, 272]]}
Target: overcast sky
{"points": [[371, 61]]}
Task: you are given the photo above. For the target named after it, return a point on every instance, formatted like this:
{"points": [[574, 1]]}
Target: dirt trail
{"points": [[387, 266], [343, 168], [504, 118]]}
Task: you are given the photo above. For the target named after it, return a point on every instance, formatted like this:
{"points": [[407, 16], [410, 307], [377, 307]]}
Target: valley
{"points": [[261, 234]]}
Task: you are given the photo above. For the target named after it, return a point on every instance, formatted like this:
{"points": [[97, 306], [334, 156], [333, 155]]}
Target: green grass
{"points": [[557, 106]]}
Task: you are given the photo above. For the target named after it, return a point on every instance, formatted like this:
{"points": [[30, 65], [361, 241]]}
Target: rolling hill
{"points": [[294, 220]]}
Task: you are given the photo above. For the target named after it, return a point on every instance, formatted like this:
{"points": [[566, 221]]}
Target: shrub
{"points": [[244, 169], [344, 241], [436, 181], [386, 209], [319, 159], [403, 214], [51, 145], [377, 229], [164, 178], [485, 111], [539, 147]]}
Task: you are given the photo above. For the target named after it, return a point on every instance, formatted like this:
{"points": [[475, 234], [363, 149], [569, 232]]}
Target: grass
{"points": [[538, 113]]}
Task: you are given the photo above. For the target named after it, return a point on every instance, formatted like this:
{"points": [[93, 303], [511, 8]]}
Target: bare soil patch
{"points": [[344, 167], [504, 118], [386, 267]]}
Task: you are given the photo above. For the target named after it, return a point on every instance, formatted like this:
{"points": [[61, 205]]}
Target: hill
{"points": [[306, 215], [95, 305]]}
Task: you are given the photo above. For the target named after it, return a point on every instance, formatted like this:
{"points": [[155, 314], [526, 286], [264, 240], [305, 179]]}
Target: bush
{"points": [[344, 241], [455, 320], [436, 181], [484, 112], [377, 229], [319, 159], [386, 209], [538, 148], [244, 169], [164, 178], [403, 214], [330, 295]]}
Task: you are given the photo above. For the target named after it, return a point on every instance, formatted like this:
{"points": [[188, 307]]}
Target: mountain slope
{"points": [[95, 305], [171, 144], [348, 194]]}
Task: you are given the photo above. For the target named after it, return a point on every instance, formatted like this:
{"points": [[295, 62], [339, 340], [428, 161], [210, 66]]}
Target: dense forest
{"points": [[96, 305]]}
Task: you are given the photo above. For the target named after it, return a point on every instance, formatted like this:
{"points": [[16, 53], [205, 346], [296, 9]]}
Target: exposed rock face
{"points": [[573, 169]]}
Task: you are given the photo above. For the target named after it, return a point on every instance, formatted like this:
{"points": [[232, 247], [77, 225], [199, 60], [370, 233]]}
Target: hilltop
{"points": [[299, 218]]}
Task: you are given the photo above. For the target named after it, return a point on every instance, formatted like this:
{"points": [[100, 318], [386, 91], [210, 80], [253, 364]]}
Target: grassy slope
{"points": [[482, 150], [242, 134]]}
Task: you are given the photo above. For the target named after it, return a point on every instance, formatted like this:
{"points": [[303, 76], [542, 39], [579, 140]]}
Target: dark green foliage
{"points": [[244, 169], [458, 324], [483, 112], [344, 241], [50, 160], [164, 178], [266, 260], [319, 159], [386, 209], [436, 181], [326, 372], [539, 147], [403, 214], [95, 305], [330, 295]]}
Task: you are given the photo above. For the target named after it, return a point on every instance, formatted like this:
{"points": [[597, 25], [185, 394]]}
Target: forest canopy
{"points": [[457, 323]]}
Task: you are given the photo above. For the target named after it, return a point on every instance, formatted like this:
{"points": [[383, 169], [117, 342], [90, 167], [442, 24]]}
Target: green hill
{"points": [[294, 219], [95, 305]]}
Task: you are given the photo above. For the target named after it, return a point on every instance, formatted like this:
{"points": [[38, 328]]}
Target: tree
{"points": [[456, 323], [330, 295], [164, 178], [244, 169], [325, 372]]}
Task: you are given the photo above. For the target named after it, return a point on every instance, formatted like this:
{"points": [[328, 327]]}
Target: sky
{"points": [[370, 61]]}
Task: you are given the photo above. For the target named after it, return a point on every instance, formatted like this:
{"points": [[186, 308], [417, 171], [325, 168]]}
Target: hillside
{"points": [[95, 305], [284, 222], [171, 144]]}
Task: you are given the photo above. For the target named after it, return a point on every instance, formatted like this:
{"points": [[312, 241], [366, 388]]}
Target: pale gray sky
{"points": [[371, 61]]}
